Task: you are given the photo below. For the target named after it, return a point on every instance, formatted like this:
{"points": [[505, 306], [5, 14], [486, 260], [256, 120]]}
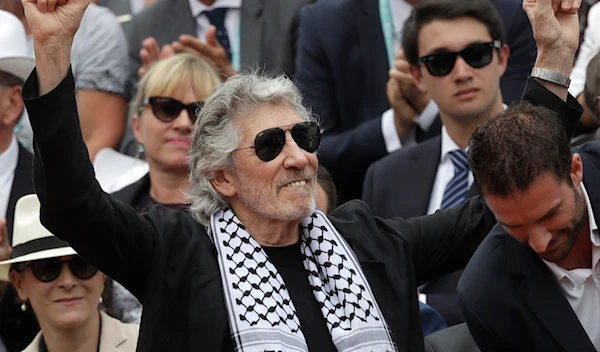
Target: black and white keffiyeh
{"points": [[261, 313]]}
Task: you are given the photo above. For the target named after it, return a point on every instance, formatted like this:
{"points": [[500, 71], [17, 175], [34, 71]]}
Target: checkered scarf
{"points": [[261, 313]]}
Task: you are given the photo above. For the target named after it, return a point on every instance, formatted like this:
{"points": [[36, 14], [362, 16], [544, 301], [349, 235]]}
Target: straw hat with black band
{"points": [[31, 241]]}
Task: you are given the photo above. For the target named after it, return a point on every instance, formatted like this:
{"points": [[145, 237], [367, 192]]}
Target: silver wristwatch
{"points": [[550, 76]]}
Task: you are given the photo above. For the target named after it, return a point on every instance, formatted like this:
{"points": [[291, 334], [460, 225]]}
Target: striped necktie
{"points": [[458, 187]]}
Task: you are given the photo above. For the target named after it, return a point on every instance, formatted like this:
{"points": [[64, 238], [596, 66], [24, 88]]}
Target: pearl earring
{"points": [[100, 300], [23, 307]]}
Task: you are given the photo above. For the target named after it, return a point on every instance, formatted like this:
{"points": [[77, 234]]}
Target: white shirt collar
{"points": [[448, 144], [197, 7], [577, 277]]}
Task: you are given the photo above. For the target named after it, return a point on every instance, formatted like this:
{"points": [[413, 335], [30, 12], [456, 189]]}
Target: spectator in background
{"points": [[17, 328], [591, 99], [434, 174], [326, 193], [342, 69], [62, 289], [588, 49], [100, 67], [231, 35], [168, 100]]}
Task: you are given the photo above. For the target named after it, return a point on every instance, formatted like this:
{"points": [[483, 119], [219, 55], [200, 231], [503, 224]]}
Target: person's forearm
{"points": [[52, 60], [560, 62]]}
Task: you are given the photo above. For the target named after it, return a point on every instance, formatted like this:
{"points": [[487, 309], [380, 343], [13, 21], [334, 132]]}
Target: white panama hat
{"points": [[31, 240], [14, 58]]}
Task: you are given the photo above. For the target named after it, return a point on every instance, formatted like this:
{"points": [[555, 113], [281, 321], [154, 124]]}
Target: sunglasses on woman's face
{"points": [[167, 109], [476, 55], [269, 143], [48, 270]]}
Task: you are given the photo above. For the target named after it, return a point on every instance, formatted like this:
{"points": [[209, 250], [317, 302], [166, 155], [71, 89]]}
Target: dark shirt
{"points": [[288, 261], [144, 202]]}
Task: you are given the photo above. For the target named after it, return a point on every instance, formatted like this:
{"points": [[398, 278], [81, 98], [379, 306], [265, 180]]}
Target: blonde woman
{"points": [[62, 289], [166, 105]]}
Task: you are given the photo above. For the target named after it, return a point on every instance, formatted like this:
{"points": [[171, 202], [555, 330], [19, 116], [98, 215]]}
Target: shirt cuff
{"points": [[390, 134], [427, 116]]}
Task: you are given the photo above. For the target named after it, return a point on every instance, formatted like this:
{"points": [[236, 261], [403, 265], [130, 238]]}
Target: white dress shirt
{"points": [[445, 172], [400, 12], [582, 286], [8, 164], [232, 17], [589, 48]]}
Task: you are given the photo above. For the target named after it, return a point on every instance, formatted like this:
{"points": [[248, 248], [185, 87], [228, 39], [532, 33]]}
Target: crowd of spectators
{"points": [[399, 91]]}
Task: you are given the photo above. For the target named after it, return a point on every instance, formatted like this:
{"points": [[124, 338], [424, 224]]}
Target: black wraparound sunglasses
{"points": [[48, 270], [476, 55], [167, 109], [269, 143]]}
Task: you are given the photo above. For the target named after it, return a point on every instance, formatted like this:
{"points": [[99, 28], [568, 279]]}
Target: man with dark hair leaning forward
{"points": [[534, 283]]}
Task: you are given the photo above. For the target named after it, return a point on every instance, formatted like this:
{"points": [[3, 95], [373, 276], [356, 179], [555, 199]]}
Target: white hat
{"points": [[31, 240], [14, 57]]}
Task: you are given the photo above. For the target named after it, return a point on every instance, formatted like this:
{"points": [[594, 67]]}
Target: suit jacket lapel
{"points": [[251, 31], [546, 299], [372, 46], [426, 159], [181, 22], [22, 185], [112, 334]]}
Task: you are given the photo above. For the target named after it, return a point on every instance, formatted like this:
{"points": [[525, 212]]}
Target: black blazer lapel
{"points": [[414, 199], [251, 32], [373, 50], [22, 185], [545, 298]]}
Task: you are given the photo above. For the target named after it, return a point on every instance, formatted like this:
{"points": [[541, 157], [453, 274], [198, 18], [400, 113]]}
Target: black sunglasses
{"points": [[48, 270], [167, 109], [269, 143], [476, 55]]}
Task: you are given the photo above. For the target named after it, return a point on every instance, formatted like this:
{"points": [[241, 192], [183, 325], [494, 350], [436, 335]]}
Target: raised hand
{"points": [[404, 114], [54, 19], [151, 53], [212, 51], [53, 24], [416, 97], [555, 26], [555, 23]]}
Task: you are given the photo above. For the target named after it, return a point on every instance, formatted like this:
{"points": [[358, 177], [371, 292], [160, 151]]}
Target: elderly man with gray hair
{"points": [[253, 266]]}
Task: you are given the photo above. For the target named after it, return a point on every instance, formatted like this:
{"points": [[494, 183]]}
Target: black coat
{"points": [[511, 299], [166, 259]]}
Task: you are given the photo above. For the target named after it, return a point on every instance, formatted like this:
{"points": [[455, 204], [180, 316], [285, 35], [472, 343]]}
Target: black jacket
{"points": [[166, 259]]}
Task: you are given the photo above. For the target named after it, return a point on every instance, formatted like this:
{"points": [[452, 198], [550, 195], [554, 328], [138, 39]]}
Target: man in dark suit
{"points": [[342, 68], [434, 174], [534, 283]]}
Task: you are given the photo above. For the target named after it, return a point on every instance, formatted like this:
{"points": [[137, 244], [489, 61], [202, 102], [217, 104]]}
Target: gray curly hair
{"points": [[216, 134]]}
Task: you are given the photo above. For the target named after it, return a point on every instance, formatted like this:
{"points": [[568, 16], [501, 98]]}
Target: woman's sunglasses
{"points": [[48, 270], [167, 109], [477, 56], [269, 143]]}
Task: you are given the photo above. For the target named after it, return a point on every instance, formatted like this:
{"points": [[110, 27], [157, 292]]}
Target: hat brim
{"points": [[20, 66], [48, 253]]}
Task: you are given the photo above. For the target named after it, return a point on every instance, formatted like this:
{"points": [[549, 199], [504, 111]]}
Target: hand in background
{"points": [[416, 97], [404, 113], [150, 53], [212, 51]]}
